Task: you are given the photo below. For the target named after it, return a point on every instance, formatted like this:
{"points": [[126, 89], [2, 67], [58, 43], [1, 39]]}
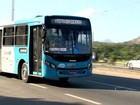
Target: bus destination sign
{"points": [[68, 21]]}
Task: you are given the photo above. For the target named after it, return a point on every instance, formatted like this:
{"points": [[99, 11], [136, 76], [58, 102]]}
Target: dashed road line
{"points": [[84, 99], [43, 87], [116, 86]]}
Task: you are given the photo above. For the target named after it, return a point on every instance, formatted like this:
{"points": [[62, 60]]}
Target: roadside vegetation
{"points": [[115, 52]]}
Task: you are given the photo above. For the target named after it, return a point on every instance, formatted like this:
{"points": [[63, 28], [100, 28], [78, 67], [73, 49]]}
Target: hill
{"points": [[117, 51], [130, 42], [134, 41]]}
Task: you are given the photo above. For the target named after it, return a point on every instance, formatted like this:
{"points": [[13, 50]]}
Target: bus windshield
{"points": [[68, 41]]}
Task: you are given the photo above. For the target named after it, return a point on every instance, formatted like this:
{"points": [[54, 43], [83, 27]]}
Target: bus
{"points": [[51, 47]]}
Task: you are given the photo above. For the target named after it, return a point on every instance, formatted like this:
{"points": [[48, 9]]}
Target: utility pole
{"points": [[13, 10]]}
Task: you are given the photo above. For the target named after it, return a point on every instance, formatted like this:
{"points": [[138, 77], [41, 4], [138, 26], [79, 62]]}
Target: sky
{"points": [[116, 20]]}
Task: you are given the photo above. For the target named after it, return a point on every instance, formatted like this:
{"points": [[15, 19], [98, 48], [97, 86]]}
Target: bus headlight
{"points": [[89, 66], [50, 64], [47, 63], [53, 66]]}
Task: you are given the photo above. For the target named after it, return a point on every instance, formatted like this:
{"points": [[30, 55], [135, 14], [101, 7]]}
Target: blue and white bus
{"points": [[55, 47]]}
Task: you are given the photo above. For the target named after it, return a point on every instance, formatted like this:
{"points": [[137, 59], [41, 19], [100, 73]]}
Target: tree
{"points": [[116, 51]]}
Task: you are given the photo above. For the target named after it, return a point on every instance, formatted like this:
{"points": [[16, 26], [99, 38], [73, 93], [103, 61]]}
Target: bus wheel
{"points": [[63, 79], [24, 73]]}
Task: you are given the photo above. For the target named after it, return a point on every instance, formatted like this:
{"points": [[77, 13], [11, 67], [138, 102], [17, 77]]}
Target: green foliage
{"points": [[116, 51]]}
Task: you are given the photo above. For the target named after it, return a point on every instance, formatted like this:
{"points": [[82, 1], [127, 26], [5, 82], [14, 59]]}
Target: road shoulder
{"points": [[117, 72]]}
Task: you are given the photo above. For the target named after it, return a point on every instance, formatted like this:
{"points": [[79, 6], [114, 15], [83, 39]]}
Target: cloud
{"points": [[88, 12]]}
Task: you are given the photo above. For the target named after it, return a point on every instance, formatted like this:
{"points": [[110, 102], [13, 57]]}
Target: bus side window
{"points": [[8, 38], [21, 37]]}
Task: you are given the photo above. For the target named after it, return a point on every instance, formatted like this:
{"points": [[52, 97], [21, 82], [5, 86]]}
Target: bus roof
{"points": [[66, 16], [7, 24], [33, 21], [37, 20]]}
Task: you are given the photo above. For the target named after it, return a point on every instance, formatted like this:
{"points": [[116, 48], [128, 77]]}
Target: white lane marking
{"points": [[14, 79], [38, 86], [84, 99], [116, 86]]}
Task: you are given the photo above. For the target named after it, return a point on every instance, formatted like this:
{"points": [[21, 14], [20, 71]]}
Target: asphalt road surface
{"points": [[94, 90]]}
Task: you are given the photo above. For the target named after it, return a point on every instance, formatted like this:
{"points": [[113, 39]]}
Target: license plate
{"points": [[72, 72]]}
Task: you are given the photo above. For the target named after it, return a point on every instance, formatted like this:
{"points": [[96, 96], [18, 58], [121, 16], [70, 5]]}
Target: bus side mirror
{"points": [[43, 35]]}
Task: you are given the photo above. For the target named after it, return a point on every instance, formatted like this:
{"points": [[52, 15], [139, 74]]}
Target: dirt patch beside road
{"points": [[117, 72]]}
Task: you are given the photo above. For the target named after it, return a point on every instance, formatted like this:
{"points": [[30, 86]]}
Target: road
{"points": [[95, 90]]}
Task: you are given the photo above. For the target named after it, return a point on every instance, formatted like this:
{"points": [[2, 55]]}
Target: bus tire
{"points": [[24, 73], [63, 79]]}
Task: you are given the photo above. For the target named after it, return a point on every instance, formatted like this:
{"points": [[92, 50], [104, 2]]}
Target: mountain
{"points": [[130, 42], [107, 41], [134, 41]]}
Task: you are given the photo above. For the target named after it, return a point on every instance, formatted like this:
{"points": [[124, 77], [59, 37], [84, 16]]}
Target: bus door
{"points": [[36, 49], [0, 46]]}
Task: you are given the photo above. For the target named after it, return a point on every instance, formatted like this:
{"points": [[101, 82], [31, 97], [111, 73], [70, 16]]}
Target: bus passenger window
{"points": [[8, 38], [21, 37]]}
